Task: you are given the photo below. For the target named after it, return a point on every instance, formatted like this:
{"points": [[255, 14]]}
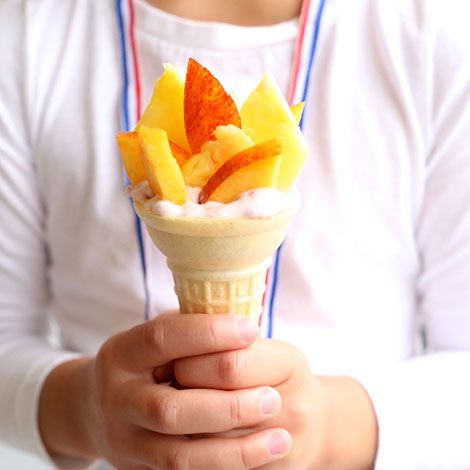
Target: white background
{"points": [[12, 459]]}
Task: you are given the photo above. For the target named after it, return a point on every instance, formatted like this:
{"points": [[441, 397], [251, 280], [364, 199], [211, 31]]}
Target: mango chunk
{"points": [[229, 140], [266, 115], [131, 155], [181, 155], [166, 107], [163, 173]]}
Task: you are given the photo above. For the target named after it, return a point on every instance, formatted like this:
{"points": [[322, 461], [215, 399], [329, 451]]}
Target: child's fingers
{"points": [[265, 362], [165, 410], [161, 451], [172, 336]]}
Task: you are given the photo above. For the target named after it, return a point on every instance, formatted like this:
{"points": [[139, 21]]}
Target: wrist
{"points": [[351, 432], [64, 410]]}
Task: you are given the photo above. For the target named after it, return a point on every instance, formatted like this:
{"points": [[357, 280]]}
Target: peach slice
{"points": [[181, 154], [266, 115], [200, 167], [166, 107], [163, 173], [131, 155], [297, 110], [254, 167], [206, 106]]}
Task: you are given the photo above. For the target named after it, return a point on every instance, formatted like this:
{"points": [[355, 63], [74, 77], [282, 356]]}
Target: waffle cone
{"points": [[218, 265]]}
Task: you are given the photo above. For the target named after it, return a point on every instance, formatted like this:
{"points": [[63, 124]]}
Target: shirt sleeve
{"points": [[423, 405], [25, 356]]}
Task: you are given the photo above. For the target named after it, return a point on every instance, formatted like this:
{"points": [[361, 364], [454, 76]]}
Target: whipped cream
{"points": [[259, 203]]}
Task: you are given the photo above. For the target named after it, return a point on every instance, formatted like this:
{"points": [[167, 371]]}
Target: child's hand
{"points": [[331, 420], [111, 406]]}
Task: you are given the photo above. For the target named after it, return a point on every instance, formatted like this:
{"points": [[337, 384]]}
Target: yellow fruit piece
{"points": [[179, 153], [131, 155], [197, 169], [230, 140], [261, 174], [266, 115], [297, 110], [166, 107], [163, 173]]}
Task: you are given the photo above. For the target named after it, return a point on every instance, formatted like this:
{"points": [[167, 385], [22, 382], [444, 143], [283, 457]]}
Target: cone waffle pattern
{"points": [[238, 292]]}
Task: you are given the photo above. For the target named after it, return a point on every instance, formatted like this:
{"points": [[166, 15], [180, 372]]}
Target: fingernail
{"points": [[270, 401], [248, 330], [278, 443]]}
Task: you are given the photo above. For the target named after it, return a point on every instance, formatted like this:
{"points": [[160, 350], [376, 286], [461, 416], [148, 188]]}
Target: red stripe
{"points": [[135, 61], [138, 112], [292, 88], [263, 302], [298, 51]]}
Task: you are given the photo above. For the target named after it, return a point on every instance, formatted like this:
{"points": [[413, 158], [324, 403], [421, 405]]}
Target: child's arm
{"points": [[423, 404], [25, 356]]}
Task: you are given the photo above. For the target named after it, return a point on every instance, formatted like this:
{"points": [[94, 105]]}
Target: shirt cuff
{"points": [[25, 367]]}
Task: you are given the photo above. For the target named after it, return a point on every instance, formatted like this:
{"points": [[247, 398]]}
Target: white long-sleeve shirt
{"points": [[377, 259]]}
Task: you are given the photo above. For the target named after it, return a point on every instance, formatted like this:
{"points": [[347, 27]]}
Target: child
{"points": [[370, 298]]}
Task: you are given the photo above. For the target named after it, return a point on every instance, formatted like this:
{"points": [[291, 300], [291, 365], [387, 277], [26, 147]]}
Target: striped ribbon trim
{"points": [[302, 66], [130, 115]]}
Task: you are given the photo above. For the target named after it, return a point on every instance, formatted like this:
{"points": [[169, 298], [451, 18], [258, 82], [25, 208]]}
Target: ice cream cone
{"points": [[218, 265]]}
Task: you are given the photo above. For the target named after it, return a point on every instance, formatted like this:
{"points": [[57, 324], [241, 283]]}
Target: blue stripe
{"points": [[273, 291], [125, 74], [140, 242], [313, 50], [277, 256], [126, 125]]}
